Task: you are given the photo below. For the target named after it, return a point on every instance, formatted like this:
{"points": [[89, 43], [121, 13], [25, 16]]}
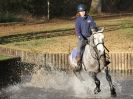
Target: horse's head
{"points": [[97, 39]]}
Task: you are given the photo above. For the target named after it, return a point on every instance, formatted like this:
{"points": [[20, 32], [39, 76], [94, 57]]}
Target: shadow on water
{"points": [[9, 72], [36, 82], [12, 70]]}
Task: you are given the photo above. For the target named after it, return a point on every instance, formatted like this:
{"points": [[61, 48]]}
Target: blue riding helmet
{"points": [[81, 7]]}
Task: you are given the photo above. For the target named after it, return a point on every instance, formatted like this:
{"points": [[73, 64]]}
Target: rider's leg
{"points": [[80, 48]]}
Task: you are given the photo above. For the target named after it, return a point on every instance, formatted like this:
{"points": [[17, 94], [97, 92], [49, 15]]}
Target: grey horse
{"points": [[94, 60]]}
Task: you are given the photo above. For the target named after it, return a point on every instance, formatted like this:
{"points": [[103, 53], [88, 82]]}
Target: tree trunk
{"points": [[96, 6]]}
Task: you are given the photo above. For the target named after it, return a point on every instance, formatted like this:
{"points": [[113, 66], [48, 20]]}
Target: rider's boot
{"points": [[79, 65], [77, 70]]}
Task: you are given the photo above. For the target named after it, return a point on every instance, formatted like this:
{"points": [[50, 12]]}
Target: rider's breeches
{"points": [[81, 47]]}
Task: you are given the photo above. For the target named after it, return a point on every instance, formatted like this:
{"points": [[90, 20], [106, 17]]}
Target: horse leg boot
{"points": [[108, 77], [97, 82], [107, 62]]}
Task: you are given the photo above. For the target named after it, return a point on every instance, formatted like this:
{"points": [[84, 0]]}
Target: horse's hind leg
{"points": [[97, 82], [108, 77]]}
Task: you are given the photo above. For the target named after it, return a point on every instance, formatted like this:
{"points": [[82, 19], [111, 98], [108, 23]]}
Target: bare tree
{"points": [[96, 6]]}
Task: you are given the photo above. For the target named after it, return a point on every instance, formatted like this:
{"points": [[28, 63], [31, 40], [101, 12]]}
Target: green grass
{"points": [[35, 28], [58, 25], [118, 37], [3, 57], [116, 40], [120, 40]]}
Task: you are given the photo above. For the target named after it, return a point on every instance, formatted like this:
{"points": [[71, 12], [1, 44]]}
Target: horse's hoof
{"points": [[113, 93], [97, 90]]}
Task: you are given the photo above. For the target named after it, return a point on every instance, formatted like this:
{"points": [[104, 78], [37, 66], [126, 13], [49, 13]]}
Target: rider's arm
{"points": [[78, 29]]}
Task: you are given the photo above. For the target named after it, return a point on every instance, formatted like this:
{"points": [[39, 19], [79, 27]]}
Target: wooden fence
{"points": [[120, 62]]}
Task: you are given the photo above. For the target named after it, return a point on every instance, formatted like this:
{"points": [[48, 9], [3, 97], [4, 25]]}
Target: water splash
{"points": [[69, 83], [47, 84]]}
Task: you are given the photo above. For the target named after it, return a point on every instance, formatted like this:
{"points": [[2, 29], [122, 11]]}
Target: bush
{"points": [[8, 17]]}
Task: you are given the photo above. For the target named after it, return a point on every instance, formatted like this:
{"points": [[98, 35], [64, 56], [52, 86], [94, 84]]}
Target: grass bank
{"points": [[3, 57], [118, 36]]}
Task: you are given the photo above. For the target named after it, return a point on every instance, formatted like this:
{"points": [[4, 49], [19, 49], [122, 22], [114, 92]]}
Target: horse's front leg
{"points": [[108, 77], [97, 82], [78, 75]]}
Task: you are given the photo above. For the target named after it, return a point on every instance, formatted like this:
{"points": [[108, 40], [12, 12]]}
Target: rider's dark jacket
{"points": [[83, 26]]}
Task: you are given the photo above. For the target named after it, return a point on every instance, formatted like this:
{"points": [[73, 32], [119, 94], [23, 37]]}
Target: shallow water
{"points": [[60, 85]]}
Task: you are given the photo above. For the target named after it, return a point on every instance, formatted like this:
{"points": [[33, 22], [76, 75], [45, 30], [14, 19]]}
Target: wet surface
{"points": [[60, 85]]}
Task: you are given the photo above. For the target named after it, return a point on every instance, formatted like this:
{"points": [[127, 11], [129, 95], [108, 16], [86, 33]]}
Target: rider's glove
{"points": [[87, 40], [80, 37]]}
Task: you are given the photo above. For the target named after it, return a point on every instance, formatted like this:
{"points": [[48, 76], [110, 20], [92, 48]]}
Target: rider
{"points": [[83, 25]]}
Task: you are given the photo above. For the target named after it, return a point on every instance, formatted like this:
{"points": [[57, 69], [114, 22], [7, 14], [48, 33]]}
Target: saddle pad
{"points": [[74, 53]]}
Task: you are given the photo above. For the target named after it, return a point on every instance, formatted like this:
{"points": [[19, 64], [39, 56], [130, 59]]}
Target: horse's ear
{"points": [[101, 30], [93, 31]]}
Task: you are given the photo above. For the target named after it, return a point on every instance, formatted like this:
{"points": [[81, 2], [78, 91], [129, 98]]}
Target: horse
{"points": [[94, 60]]}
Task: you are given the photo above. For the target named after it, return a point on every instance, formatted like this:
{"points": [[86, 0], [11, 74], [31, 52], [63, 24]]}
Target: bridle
{"points": [[95, 47], [99, 43]]}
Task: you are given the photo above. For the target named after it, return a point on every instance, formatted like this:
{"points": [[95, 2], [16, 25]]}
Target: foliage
{"points": [[117, 5], [58, 8], [8, 17]]}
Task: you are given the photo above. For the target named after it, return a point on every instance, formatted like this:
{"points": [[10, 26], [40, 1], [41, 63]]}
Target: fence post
{"points": [[132, 61]]}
